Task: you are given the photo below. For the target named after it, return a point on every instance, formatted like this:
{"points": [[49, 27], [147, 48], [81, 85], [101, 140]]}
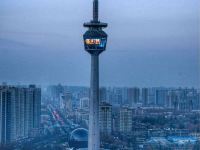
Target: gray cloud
{"points": [[151, 43]]}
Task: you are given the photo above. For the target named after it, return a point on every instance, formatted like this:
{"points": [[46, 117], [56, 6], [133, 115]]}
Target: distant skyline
{"points": [[151, 43]]}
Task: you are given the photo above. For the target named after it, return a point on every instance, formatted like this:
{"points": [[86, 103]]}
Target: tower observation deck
{"points": [[95, 40]]}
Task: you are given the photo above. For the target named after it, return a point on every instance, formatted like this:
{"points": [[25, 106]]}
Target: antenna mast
{"points": [[95, 10]]}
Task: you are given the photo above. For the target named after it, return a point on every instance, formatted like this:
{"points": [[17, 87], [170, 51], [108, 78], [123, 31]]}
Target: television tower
{"points": [[95, 40]]}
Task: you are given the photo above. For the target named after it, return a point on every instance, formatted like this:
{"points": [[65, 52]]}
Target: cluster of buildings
{"points": [[179, 99], [20, 109], [134, 127], [132, 115]]}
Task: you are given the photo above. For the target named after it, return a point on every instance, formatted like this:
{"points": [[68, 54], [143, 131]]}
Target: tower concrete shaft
{"points": [[94, 137]]}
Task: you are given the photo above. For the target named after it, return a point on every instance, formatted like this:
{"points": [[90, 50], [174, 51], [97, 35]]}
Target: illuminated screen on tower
{"points": [[92, 41], [95, 43]]}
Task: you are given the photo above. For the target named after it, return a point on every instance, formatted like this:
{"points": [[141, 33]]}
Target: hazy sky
{"points": [[151, 42]]}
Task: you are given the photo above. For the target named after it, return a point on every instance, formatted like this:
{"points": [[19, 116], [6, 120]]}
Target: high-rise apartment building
{"points": [[84, 103], [7, 115], [20, 109], [125, 124], [105, 118], [172, 100], [145, 96], [54, 91], [133, 96], [66, 101], [103, 94], [161, 97]]}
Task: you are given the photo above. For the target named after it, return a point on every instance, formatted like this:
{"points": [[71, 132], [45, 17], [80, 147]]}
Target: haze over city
{"points": [[100, 75], [151, 43]]}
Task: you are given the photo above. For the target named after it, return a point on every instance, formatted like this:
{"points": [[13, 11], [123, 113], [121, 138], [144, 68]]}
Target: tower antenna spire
{"points": [[95, 10]]}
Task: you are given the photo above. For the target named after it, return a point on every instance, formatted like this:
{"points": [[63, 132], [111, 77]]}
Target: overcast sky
{"points": [[151, 42]]}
